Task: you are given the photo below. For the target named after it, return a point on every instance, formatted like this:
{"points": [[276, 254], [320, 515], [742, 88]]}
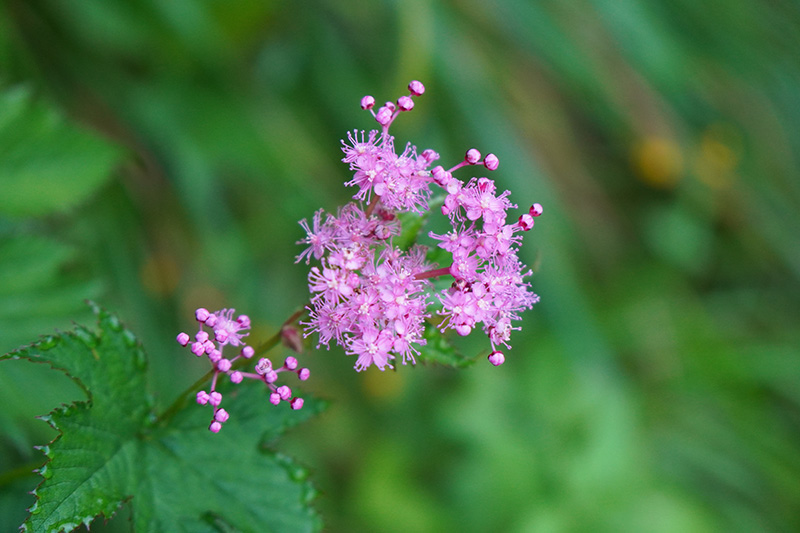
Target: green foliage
{"points": [[438, 349], [175, 474], [45, 294], [47, 163]]}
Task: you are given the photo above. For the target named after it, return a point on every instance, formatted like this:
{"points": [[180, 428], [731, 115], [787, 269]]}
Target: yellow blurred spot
{"points": [[718, 155], [382, 385], [160, 274], [658, 161]]}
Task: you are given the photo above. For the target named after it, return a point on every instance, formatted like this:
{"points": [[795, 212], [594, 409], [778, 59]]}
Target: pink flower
{"points": [[372, 297], [372, 347], [230, 332]]}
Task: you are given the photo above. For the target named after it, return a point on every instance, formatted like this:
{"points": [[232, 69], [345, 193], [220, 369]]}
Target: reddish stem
{"points": [[372, 205], [436, 272]]}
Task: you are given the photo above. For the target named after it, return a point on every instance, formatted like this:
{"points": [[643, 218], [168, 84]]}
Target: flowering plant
{"points": [[373, 292], [373, 297]]}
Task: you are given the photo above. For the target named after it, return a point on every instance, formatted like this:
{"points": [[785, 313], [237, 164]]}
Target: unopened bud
{"points": [[473, 156], [491, 162], [367, 102], [383, 116], [291, 338], [497, 358], [183, 339], [405, 103], [416, 88]]}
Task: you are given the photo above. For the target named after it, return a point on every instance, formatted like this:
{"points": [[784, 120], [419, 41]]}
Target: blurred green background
{"points": [[156, 155]]}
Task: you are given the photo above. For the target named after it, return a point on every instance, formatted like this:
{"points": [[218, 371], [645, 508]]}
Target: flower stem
{"points": [[435, 273], [372, 205]]}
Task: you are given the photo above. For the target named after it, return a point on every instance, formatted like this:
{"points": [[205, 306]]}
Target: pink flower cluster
{"points": [[231, 332], [372, 297]]}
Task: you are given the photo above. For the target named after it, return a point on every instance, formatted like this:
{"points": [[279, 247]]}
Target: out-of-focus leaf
{"points": [[37, 291], [439, 350], [47, 164]]}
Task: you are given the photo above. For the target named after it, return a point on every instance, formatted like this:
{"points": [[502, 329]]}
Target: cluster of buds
{"points": [[372, 297], [228, 331]]}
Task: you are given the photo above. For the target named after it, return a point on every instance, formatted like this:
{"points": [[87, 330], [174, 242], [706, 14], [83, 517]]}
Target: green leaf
{"points": [[47, 164], [413, 223], [40, 288], [176, 476], [439, 350]]}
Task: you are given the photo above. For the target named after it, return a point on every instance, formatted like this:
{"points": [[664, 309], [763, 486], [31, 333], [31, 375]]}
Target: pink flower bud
{"points": [[430, 155], [296, 403], [211, 321], [440, 175], [285, 392], [243, 321], [463, 329], [497, 358], [405, 103], [271, 376], [274, 398], [536, 210], [221, 415], [202, 314], [223, 365], [221, 335], [215, 398], [202, 397], [247, 352], [367, 102], [290, 363], [183, 339], [473, 156], [383, 116], [303, 374], [526, 222], [263, 366], [236, 377], [198, 349], [391, 106], [416, 88], [215, 427], [491, 162], [209, 347], [215, 356], [202, 336]]}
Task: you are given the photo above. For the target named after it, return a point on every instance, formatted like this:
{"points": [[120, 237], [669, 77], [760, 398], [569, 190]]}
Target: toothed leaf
{"points": [[176, 476]]}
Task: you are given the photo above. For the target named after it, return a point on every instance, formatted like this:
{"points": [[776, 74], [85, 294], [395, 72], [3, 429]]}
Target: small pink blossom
{"points": [[232, 332]]}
